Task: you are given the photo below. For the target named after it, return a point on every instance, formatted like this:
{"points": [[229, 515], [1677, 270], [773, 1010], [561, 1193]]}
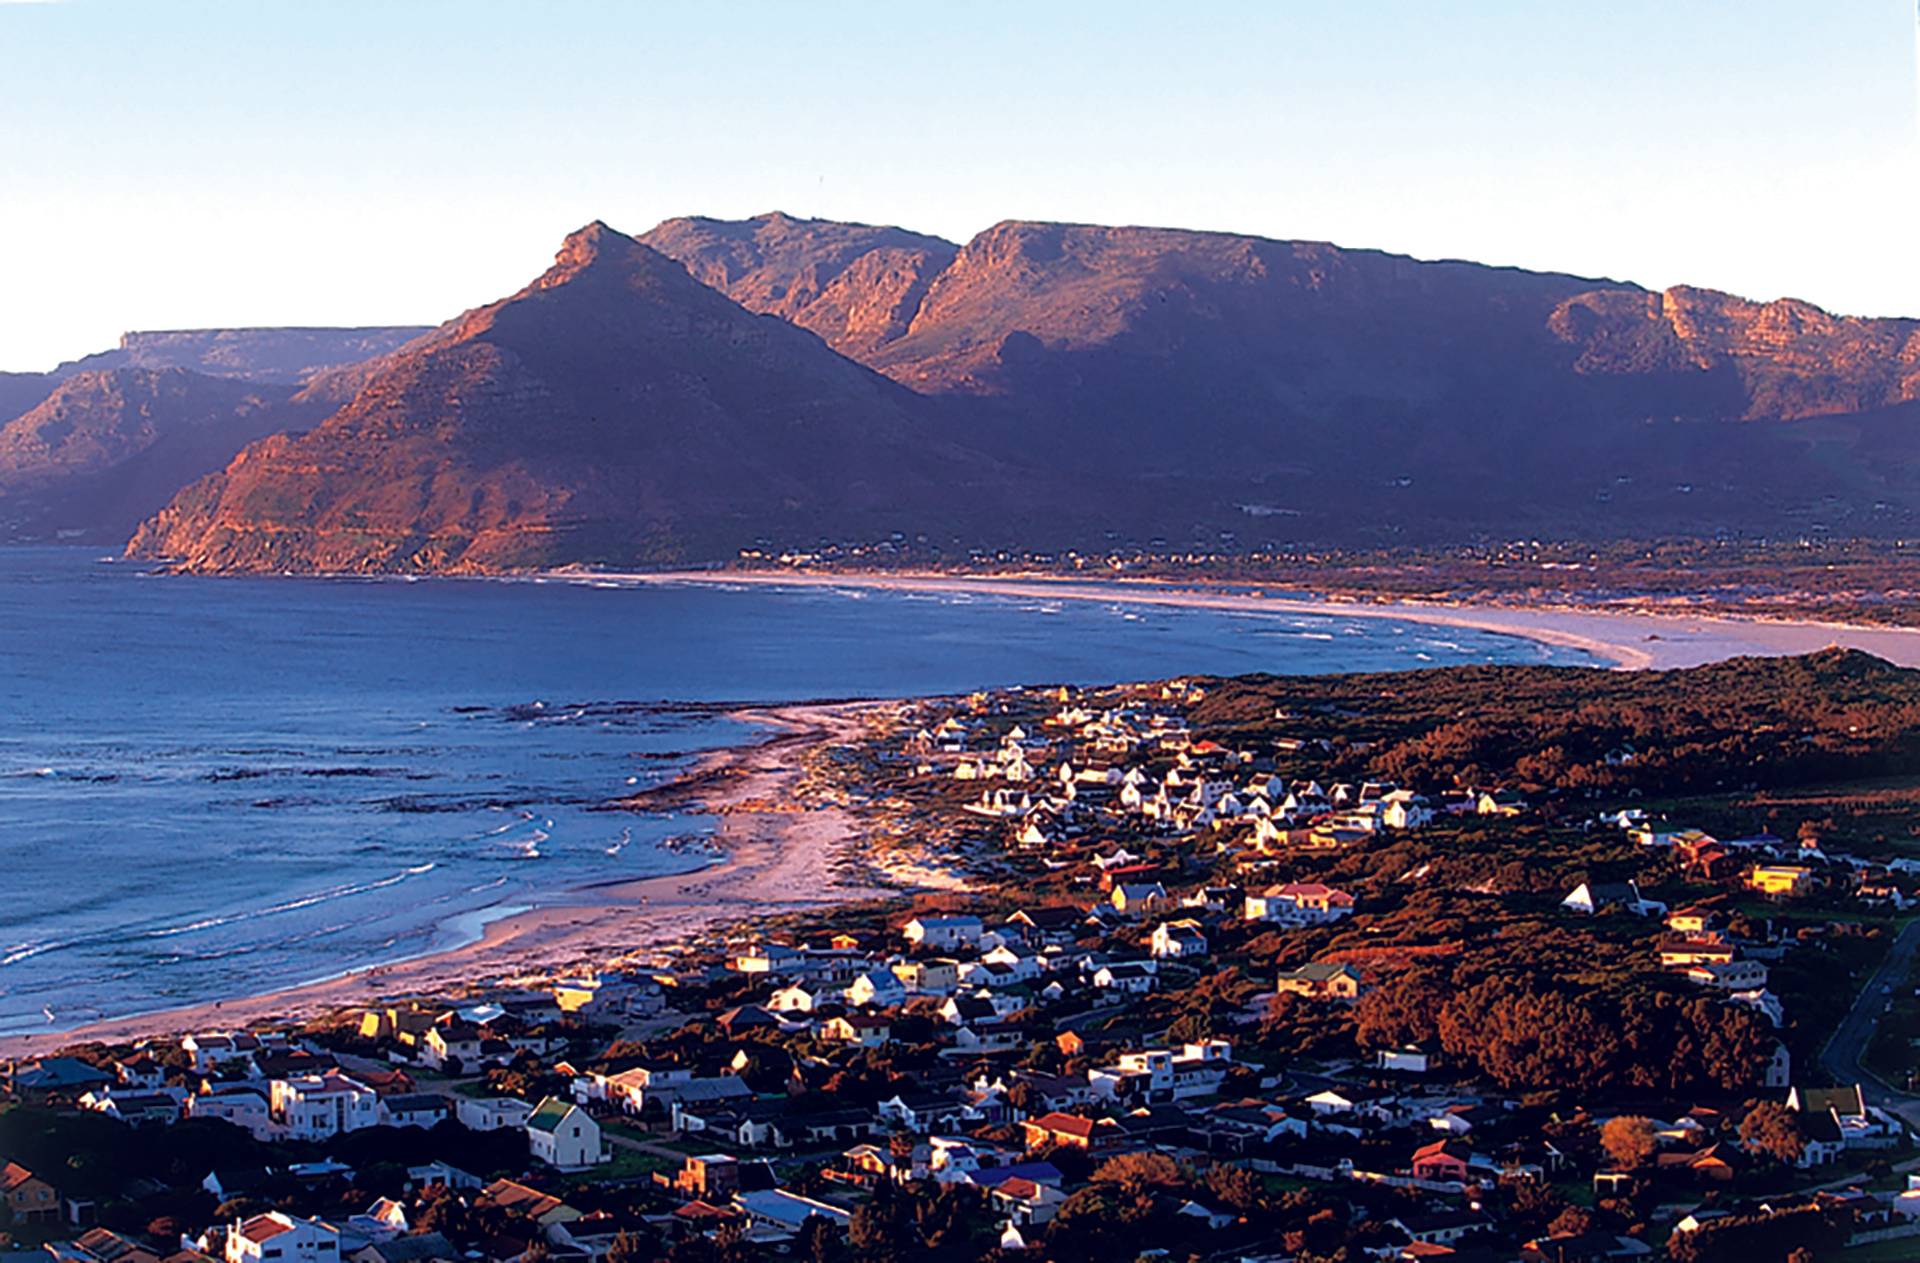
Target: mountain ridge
{"points": [[612, 408], [108, 447], [1083, 384]]}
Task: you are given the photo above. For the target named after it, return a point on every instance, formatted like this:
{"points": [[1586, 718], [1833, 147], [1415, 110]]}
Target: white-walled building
{"points": [[564, 1136], [492, 1113], [319, 1106], [280, 1238]]}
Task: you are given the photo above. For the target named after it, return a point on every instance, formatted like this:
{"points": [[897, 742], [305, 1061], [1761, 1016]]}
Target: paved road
{"points": [[1848, 1044]]}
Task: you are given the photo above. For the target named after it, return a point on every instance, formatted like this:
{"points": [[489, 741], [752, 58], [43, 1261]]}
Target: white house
{"points": [[1133, 899], [280, 1238], [320, 1106], [244, 1107], [1861, 1126], [634, 1090], [1026, 1202], [1407, 1059], [943, 932], [450, 1042], [1135, 977], [491, 1113], [1178, 940], [1590, 897], [211, 1050], [1732, 975], [877, 988], [1404, 809], [800, 998], [1160, 1074], [134, 1108], [1300, 903], [564, 1136]]}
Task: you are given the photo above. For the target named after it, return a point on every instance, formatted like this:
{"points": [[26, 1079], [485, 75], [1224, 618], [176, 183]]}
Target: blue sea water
{"points": [[213, 787]]}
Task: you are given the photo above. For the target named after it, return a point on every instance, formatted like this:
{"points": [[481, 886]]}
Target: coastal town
{"points": [[1486, 964]]}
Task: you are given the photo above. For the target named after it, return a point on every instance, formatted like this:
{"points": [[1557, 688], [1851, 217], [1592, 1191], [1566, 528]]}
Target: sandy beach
{"points": [[1630, 640], [775, 855], [778, 853]]}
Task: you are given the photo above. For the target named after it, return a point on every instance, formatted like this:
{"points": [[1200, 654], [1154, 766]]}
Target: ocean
{"points": [[214, 787]]}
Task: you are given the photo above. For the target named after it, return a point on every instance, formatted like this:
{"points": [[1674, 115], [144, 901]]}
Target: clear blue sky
{"points": [[165, 163]]}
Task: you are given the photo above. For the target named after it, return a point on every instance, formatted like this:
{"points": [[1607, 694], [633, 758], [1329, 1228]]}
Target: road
{"points": [[1843, 1055]]}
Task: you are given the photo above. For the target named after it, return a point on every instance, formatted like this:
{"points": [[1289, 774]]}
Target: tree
{"points": [[1193, 1028], [875, 1230], [627, 1248], [1137, 1171], [819, 1240], [1236, 1187], [1771, 1128], [1573, 1221], [1629, 1140], [694, 1249]]}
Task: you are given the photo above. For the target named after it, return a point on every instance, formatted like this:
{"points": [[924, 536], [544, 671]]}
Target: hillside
{"points": [[1064, 385], [615, 410], [109, 447], [1325, 387], [99, 443], [855, 285]]}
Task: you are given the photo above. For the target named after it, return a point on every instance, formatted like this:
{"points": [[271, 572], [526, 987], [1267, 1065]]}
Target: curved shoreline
{"points": [[768, 861], [778, 853], [1628, 640]]}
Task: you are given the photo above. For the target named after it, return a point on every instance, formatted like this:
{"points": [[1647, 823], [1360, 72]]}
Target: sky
{"points": [[172, 164]]}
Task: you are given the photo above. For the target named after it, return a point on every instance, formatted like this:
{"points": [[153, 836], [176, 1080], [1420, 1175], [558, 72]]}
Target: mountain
{"points": [[1783, 360], [20, 391], [288, 356], [1353, 395], [855, 285], [108, 448], [788, 382], [971, 318], [102, 442], [615, 410]]}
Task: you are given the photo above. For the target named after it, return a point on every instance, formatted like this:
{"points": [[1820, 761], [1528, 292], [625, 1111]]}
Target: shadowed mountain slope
{"points": [[613, 411]]}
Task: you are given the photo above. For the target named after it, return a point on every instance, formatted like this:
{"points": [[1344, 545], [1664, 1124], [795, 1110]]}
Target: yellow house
{"points": [[405, 1023], [938, 976], [1780, 879]]}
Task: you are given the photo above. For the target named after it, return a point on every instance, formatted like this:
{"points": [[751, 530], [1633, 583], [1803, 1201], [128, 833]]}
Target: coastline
{"points": [[780, 850], [777, 853], [1636, 640]]}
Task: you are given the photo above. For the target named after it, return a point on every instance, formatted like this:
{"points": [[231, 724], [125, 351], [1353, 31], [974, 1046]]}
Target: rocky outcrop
{"points": [[855, 285]]}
